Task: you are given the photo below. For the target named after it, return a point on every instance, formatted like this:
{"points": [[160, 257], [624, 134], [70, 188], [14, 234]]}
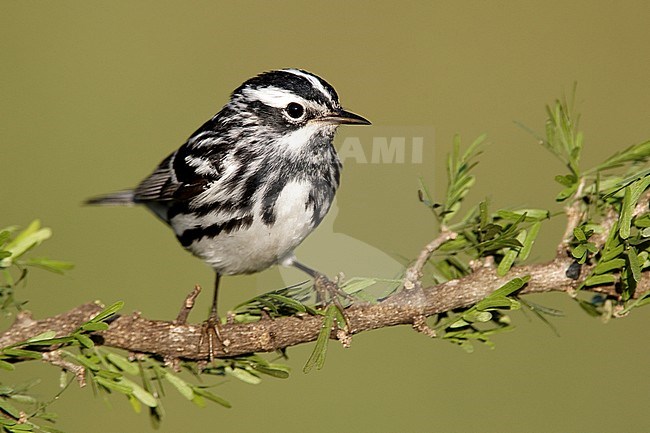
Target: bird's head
{"points": [[289, 101]]}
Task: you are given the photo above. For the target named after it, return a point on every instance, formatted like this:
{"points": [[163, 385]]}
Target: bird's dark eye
{"points": [[295, 110]]}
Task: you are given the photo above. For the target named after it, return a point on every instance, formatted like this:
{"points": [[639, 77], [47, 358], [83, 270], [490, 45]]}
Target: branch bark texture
{"points": [[179, 340], [172, 340]]}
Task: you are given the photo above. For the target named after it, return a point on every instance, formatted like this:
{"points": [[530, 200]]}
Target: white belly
{"points": [[259, 246]]}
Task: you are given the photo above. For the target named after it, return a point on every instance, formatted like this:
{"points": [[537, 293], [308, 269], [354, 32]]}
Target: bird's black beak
{"points": [[342, 117]]}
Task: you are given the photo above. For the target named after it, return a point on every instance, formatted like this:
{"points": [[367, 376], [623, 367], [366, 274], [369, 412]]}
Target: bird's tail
{"points": [[119, 198]]}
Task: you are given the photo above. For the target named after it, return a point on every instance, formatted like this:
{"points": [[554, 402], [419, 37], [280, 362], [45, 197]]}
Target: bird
{"points": [[252, 182]]}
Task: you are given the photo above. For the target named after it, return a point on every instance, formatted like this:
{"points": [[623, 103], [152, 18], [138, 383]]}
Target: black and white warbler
{"points": [[251, 183]]}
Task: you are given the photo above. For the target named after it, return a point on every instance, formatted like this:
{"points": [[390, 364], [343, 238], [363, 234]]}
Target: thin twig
{"points": [[188, 304], [413, 274]]}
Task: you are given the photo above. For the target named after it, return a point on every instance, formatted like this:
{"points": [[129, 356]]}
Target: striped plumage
{"points": [[251, 183]]}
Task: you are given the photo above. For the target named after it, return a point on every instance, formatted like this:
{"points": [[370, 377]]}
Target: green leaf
{"points": [[5, 234], [635, 266], [355, 285], [56, 266], [642, 221], [608, 266], [579, 251], [275, 370], [600, 279], [579, 234], [460, 323], [529, 240], [94, 326], [608, 255], [511, 254], [627, 209], [630, 198], [477, 316], [495, 302], [181, 386], [47, 335], [21, 353], [483, 215], [474, 149], [506, 262], [144, 396], [526, 215], [566, 193], [212, 397], [50, 341], [459, 178], [567, 181], [636, 153], [287, 302], [84, 340], [21, 428], [86, 362], [107, 312], [198, 400], [135, 404], [510, 287], [24, 399], [30, 237], [424, 195], [123, 364], [113, 385], [108, 374], [317, 357], [6, 365], [243, 375]]}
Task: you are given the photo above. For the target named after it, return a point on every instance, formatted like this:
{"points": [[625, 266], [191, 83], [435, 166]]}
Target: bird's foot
{"points": [[328, 292], [211, 333]]}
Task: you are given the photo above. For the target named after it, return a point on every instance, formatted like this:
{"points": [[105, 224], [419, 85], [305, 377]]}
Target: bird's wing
{"points": [[182, 175], [160, 185]]}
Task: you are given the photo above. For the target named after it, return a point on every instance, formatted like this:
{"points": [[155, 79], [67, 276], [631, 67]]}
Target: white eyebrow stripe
{"points": [[272, 96], [315, 82]]}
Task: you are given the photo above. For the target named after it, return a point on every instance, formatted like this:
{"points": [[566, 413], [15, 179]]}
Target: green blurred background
{"points": [[94, 94]]}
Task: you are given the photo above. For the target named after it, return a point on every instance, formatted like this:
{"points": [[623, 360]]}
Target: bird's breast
{"points": [[250, 243]]}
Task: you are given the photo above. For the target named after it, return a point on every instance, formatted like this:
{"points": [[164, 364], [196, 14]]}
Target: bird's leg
{"points": [[211, 328], [326, 288]]}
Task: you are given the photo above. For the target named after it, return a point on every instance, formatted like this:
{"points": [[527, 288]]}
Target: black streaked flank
{"points": [[196, 234]]}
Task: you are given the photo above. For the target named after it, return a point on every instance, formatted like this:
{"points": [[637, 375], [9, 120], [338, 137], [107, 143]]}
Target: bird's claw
{"points": [[328, 292], [211, 332]]}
